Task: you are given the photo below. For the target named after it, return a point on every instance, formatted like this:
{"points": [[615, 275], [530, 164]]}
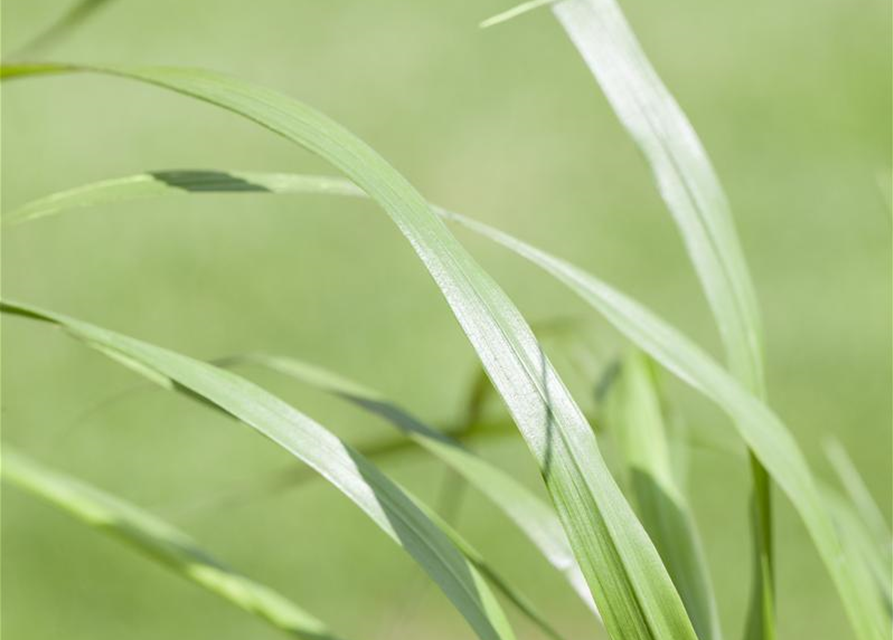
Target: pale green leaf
{"points": [[161, 542], [693, 194], [628, 581], [762, 430], [376, 495], [860, 497], [860, 547], [634, 414], [529, 513], [754, 421]]}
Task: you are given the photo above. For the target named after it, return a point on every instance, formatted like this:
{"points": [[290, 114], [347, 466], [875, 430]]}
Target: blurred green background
{"points": [[791, 99]]}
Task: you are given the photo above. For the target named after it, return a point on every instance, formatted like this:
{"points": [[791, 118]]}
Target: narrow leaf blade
{"points": [[161, 542], [629, 583], [376, 495], [531, 515], [635, 417]]}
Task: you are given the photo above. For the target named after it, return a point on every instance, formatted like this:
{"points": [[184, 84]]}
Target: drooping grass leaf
{"points": [[634, 415], [531, 515], [161, 542], [761, 429], [373, 492], [628, 581]]}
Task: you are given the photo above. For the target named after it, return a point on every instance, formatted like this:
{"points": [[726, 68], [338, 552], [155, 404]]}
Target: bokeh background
{"points": [[792, 100]]}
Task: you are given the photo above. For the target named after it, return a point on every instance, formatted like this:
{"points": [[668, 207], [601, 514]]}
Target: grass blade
{"points": [[518, 599], [762, 430], [693, 194], [161, 542], [859, 495], [683, 172], [860, 547], [754, 421], [382, 500], [514, 12], [179, 182], [628, 581], [530, 514], [634, 415]]}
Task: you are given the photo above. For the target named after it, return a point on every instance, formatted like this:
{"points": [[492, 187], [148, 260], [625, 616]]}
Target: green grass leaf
{"points": [[518, 599], [760, 428], [693, 194], [529, 513], [161, 542], [860, 497], [860, 520], [861, 548], [628, 581], [763, 432], [361, 481], [179, 182], [514, 12], [634, 415]]}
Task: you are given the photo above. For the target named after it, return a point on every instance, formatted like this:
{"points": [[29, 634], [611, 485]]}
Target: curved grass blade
{"points": [[14, 70], [693, 194], [518, 599], [675, 352], [682, 170], [382, 500], [161, 542], [628, 581], [521, 505], [564, 336], [762, 430], [860, 547], [634, 415], [180, 182], [860, 497], [756, 423], [530, 514]]}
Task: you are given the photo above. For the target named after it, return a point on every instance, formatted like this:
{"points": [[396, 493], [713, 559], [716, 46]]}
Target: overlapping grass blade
{"points": [[691, 189], [160, 541], [382, 500], [634, 415], [759, 427], [566, 339], [518, 599], [764, 432], [629, 583], [531, 515]]}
